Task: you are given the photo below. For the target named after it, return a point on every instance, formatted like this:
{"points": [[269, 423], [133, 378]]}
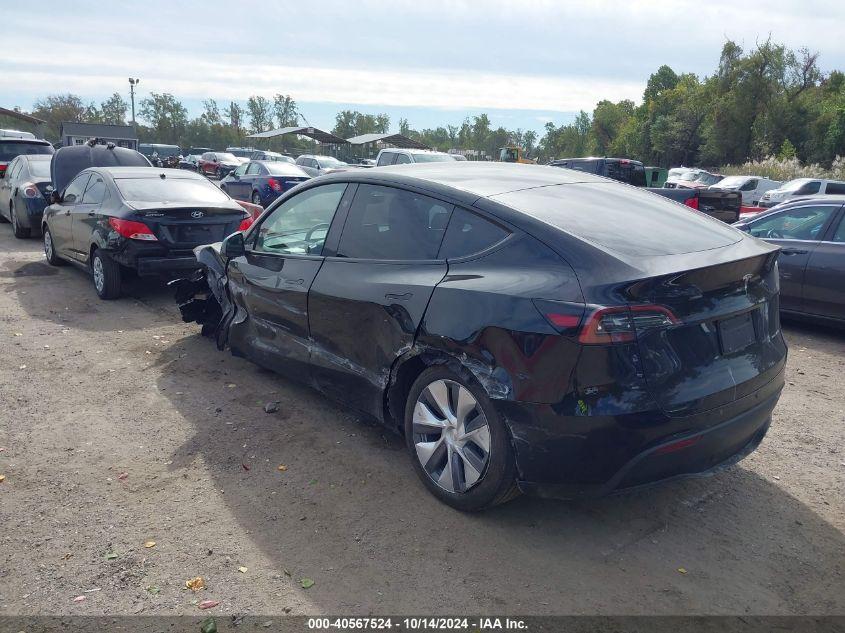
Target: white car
{"points": [[752, 188], [395, 156], [802, 188]]}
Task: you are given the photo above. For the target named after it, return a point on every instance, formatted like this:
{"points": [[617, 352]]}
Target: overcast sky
{"points": [[433, 61]]}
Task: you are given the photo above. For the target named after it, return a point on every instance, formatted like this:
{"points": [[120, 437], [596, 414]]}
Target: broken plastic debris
{"points": [[195, 584], [22, 367], [271, 407], [282, 468], [149, 544], [111, 555], [208, 626], [306, 583], [2, 478], [122, 476], [243, 570], [208, 604], [79, 599], [682, 570]]}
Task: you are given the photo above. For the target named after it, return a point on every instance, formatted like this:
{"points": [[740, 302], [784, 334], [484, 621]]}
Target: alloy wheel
{"points": [[99, 274], [48, 244], [256, 199], [451, 436]]}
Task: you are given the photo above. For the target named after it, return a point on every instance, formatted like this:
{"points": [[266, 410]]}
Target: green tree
{"points": [[113, 110], [260, 113], [285, 109]]}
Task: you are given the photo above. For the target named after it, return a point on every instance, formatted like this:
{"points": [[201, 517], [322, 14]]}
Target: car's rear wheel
{"points": [[50, 249], [459, 445], [218, 173], [20, 232], [106, 274], [256, 199]]}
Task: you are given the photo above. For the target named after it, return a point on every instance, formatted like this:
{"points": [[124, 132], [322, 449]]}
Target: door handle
{"points": [[398, 297], [295, 282], [793, 251]]}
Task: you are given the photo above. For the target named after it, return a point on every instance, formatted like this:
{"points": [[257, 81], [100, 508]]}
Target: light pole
{"points": [[132, 84]]}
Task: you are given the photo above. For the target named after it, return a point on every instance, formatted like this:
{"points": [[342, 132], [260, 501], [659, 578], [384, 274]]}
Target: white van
{"points": [[802, 188], [752, 188], [16, 134]]}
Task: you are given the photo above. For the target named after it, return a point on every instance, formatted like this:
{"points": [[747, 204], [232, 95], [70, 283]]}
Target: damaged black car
{"points": [[526, 328]]}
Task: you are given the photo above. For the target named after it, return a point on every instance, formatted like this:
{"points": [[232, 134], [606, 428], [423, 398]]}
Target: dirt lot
{"points": [[93, 390]]}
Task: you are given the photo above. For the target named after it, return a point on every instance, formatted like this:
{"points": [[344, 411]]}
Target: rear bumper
{"points": [[30, 216], [576, 461], [147, 266]]}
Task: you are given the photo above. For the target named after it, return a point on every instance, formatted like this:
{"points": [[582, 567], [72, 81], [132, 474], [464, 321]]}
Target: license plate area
{"points": [[198, 233], [736, 333]]}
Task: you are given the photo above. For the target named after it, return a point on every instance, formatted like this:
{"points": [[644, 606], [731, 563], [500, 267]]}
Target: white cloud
{"points": [[68, 69]]}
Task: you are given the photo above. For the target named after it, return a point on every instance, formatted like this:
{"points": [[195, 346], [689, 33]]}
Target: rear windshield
{"points": [[279, 168], [10, 149], [190, 190], [621, 219], [40, 169], [431, 158]]}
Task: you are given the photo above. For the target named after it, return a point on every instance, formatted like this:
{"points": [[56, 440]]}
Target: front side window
{"points": [[73, 192], [800, 223], [386, 158], [393, 224], [839, 236], [751, 185], [300, 224], [809, 188], [468, 234], [96, 191], [835, 188]]}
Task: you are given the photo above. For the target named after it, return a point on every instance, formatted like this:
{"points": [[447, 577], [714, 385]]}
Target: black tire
{"points": [[106, 274], [256, 198], [20, 232], [497, 483], [218, 173], [49, 249]]}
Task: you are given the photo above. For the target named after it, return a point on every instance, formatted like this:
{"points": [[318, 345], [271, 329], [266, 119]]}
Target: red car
{"points": [[217, 164]]}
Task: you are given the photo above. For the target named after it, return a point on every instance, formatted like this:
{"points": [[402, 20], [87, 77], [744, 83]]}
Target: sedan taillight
{"points": [[620, 324], [132, 230]]}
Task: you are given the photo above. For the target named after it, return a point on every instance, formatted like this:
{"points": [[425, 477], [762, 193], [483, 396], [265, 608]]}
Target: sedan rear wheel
{"points": [[460, 447], [106, 274], [256, 199], [20, 232]]}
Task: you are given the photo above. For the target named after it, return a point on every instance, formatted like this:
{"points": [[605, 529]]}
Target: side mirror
{"points": [[233, 246], [55, 198]]}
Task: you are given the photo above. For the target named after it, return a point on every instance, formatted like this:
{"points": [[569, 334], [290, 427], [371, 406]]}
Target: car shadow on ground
{"points": [[70, 299], [348, 512]]}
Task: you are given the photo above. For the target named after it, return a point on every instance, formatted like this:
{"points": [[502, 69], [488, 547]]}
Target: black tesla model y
{"points": [[526, 328]]}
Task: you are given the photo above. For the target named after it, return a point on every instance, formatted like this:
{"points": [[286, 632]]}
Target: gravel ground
{"points": [[121, 425]]}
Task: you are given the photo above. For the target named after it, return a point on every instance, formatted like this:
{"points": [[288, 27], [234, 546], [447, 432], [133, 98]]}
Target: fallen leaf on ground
{"points": [[79, 599], [153, 590], [208, 604], [195, 584], [246, 467], [208, 626], [111, 555], [243, 570], [682, 570], [150, 544], [306, 583], [282, 468]]}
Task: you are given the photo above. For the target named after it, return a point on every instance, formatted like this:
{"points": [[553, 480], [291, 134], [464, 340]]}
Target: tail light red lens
{"points": [[30, 190], [132, 230], [274, 184], [608, 326], [692, 203], [245, 224]]}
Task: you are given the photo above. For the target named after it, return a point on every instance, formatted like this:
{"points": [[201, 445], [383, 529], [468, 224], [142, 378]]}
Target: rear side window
{"points": [[253, 169], [809, 188], [800, 223], [835, 188], [386, 158], [96, 191], [469, 233], [393, 224]]}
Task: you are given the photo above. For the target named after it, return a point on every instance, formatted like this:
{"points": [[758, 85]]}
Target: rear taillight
{"points": [[274, 184], [245, 224], [30, 190], [132, 230], [606, 326], [692, 203]]}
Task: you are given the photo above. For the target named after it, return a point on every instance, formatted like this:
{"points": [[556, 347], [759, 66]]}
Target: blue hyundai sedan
{"points": [[261, 182]]}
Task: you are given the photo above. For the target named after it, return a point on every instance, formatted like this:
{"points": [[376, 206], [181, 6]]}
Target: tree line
{"points": [[770, 101]]}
